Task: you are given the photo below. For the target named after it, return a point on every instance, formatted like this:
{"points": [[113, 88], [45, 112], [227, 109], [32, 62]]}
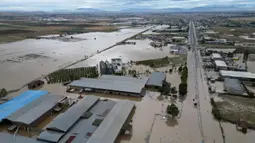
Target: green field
{"points": [[162, 62], [18, 30], [235, 108], [246, 19]]}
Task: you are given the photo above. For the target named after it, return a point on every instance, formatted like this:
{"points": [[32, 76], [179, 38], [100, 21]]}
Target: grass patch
{"points": [[234, 108], [162, 62]]}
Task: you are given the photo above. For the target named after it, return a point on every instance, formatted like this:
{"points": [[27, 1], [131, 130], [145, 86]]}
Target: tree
{"points": [[173, 110], [3, 92], [183, 88], [173, 90], [180, 69]]}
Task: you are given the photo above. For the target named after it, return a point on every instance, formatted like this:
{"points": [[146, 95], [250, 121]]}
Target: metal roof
{"points": [[124, 78], [237, 74], [20, 101], [50, 136], [233, 86], [216, 56], [220, 63], [9, 138], [34, 110], [66, 120], [84, 126], [156, 79], [109, 129], [116, 84]]}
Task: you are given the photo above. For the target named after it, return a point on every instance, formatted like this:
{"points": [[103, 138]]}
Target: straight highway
{"points": [[209, 128]]}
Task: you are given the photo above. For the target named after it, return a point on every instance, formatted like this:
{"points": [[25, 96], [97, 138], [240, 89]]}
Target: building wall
{"points": [[112, 92]]}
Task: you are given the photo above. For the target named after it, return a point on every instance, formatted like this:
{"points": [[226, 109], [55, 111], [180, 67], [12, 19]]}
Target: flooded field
{"points": [[44, 56], [141, 51]]}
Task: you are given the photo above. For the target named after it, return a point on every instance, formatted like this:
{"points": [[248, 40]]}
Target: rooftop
{"points": [[112, 83], [112, 116], [65, 120], [237, 74], [220, 63], [216, 56], [233, 86], [156, 79], [32, 111], [109, 129], [20, 101]]}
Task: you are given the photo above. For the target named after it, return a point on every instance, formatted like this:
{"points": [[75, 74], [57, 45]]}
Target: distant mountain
{"points": [[90, 10], [216, 8], [211, 8]]}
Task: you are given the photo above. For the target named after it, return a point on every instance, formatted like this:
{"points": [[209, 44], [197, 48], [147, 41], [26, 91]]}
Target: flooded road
{"points": [[18, 67]]}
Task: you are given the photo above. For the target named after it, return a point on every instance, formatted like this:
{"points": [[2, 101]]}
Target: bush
{"points": [[173, 110]]}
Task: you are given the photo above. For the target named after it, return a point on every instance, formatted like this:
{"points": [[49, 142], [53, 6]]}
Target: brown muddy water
{"points": [[141, 51], [23, 61]]}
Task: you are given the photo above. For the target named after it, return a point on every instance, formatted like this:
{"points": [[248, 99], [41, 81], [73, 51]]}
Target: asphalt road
{"points": [[209, 128]]}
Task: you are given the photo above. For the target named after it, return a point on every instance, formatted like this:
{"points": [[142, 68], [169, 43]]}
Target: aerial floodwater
{"points": [[26, 60]]}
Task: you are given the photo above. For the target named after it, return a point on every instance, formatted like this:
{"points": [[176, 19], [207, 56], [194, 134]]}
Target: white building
{"points": [[220, 65], [222, 41], [216, 56], [117, 64]]}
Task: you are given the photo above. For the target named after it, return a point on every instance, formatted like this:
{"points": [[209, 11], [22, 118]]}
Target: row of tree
{"points": [[3, 92], [183, 86], [68, 75]]}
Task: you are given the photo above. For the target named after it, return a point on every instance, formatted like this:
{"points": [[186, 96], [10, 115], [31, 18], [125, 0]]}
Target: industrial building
{"points": [[90, 120], [233, 86], [220, 65], [29, 109], [119, 85], [216, 56], [117, 64], [156, 80], [237, 75], [105, 67]]}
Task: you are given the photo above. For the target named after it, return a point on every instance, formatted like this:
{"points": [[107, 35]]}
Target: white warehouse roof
{"points": [[237, 74], [216, 56], [220, 63]]}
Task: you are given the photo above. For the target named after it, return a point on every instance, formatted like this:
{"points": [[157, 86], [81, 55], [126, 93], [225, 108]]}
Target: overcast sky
{"points": [[48, 5]]}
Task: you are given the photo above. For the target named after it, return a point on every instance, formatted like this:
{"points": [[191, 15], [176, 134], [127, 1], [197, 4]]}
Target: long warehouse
{"points": [[111, 84], [237, 74], [30, 108]]}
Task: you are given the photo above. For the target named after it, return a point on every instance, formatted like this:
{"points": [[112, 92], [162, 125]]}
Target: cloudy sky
{"points": [[114, 5]]}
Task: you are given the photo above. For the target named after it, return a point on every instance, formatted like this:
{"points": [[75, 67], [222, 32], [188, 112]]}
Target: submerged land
{"points": [[53, 52]]}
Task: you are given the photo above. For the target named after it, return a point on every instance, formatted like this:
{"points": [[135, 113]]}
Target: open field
{"points": [[18, 30], [234, 108], [162, 62], [246, 19], [236, 32]]}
